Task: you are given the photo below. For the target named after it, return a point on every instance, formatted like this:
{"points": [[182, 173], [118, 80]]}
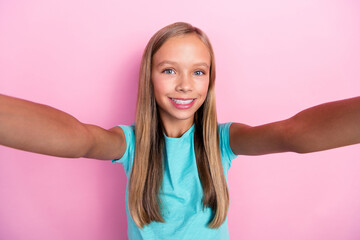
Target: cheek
{"points": [[162, 84], [159, 87], [204, 87]]}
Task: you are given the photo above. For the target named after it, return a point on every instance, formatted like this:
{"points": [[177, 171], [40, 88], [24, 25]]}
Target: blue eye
{"points": [[199, 73], [169, 71]]}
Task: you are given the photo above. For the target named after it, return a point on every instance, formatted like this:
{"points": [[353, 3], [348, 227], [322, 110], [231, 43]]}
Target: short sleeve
{"points": [[127, 159], [227, 154]]}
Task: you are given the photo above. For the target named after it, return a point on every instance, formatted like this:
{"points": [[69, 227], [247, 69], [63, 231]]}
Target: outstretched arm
{"points": [[326, 126], [42, 129]]}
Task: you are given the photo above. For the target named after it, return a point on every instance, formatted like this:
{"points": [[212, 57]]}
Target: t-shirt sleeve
{"points": [[227, 154], [127, 159]]}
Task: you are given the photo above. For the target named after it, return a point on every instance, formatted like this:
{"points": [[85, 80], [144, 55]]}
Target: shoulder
{"points": [[224, 129], [129, 132], [224, 126], [130, 129], [127, 158], [226, 152]]}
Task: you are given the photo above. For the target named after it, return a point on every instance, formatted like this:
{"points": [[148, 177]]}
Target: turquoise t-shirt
{"points": [[181, 189]]}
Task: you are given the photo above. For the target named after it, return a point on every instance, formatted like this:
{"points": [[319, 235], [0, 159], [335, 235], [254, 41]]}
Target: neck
{"points": [[178, 128]]}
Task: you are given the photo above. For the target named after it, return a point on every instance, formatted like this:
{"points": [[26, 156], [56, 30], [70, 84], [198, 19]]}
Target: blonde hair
{"points": [[147, 171]]}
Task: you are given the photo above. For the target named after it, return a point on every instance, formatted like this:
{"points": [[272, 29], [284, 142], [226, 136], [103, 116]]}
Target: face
{"points": [[180, 76]]}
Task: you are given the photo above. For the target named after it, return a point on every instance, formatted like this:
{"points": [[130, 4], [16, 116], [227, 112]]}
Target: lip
{"points": [[182, 106], [182, 98]]}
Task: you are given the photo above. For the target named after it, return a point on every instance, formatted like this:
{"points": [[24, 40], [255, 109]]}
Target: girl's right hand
{"points": [[42, 129]]}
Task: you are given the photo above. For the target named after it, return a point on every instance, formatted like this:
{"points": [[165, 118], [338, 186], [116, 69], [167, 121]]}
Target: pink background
{"points": [[274, 58]]}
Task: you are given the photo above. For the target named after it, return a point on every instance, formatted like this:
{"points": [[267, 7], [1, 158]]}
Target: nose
{"points": [[184, 83]]}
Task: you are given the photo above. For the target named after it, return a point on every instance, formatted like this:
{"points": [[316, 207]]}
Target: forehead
{"points": [[185, 49]]}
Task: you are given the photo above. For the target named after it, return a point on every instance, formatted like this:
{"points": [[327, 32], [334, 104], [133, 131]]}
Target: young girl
{"points": [[176, 155]]}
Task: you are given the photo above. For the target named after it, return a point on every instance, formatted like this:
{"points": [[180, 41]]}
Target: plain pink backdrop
{"points": [[274, 58]]}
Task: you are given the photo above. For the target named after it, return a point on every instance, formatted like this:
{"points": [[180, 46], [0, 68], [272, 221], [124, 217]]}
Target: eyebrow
{"points": [[174, 63]]}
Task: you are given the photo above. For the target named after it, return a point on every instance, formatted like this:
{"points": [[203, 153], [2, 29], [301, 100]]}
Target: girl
{"points": [[176, 156]]}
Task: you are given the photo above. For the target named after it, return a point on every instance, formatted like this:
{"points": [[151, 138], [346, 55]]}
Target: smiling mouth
{"points": [[182, 100]]}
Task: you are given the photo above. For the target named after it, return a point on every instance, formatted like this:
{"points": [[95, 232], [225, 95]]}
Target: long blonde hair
{"points": [[147, 171]]}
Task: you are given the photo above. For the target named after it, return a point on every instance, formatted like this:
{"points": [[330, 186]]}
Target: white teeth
{"points": [[178, 101]]}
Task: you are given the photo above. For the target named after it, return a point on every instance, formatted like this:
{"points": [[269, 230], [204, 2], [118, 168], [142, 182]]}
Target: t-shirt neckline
{"points": [[185, 135]]}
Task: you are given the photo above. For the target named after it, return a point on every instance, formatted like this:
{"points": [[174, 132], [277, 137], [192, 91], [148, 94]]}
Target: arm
{"points": [[42, 129], [326, 126]]}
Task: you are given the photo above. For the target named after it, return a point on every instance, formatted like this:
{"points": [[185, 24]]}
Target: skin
{"points": [[42, 129], [180, 70], [39, 128], [326, 126]]}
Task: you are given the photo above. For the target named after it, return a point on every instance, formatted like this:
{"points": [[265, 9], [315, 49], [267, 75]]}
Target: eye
{"points": [[199, 73], [168, 71]]}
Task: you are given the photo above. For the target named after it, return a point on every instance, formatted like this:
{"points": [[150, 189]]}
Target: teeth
{"points": [[178, 101]]}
